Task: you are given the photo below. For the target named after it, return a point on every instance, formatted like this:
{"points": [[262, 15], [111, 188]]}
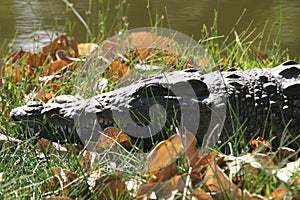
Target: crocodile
{"points": [[215, 106]]}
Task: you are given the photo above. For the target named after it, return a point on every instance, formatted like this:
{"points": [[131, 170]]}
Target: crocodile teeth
{"points": [[106, 122], [69, 129], [56, 127], [88, 126], [101, 120], [92, 123], [61, 129]]}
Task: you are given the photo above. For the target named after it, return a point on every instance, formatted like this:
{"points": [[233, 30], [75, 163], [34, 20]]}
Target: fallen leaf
{"points": [[216, 181], [44, 146], [285, 173], [17, 73], [110, 136], [26, 58], [45, 97], [262, 55], [163, 153], [278, 194], [164, 189], [201, 194], [117, 70], [54, 67], [193, 154], [141, 53], [85, 49], [61, 43], [63, 177], [165, 174], [260, 144], [110, 186], [287, 153], [297, 181], [144, 39], [197, 161]]}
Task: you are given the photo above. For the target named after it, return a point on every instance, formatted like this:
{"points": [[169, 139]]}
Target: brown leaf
{"points": [[27, 58], [165, 174], [285, 152], [264, 160], [61, 43], [201, 195], [165, 188], [143, 39], [139, 41], [218, 182], [260, 144], [22, 67], [297, 181], [163, 153], [62, 176], [41, 95], [45, 146], [117, 70], [110, 186], [54, 67], [262, 55], [278, 194], [110, 136], [17, 73], [192, 153], [142, 53], [35, 60], [48, 96]]}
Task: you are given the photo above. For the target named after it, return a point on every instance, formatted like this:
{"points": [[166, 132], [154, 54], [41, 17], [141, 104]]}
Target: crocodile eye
{"points": [[291, 72], [200, 88], [291, 89]]}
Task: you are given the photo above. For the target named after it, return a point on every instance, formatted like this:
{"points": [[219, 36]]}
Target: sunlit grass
{"points": [[26, 174]]}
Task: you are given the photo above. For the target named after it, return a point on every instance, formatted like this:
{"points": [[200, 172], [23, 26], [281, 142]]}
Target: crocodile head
{"points": [[156, 104]]}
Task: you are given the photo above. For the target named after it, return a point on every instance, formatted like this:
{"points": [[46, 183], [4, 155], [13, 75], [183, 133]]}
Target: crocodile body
{"points": [[256, 102]]}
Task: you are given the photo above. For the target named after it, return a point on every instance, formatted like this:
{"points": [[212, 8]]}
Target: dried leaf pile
{"points": [[174, 171]]}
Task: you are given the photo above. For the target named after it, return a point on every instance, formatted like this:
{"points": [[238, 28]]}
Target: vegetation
{"points": [[31, 167]]}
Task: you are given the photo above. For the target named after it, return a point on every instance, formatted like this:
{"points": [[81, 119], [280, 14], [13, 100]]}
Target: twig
{"points": [[70, 5]]}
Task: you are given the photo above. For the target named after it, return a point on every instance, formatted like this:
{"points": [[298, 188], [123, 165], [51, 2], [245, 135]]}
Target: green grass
{"points": [[26, 175]]}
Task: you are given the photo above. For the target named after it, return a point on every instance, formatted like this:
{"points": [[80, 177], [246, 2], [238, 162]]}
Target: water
{"points": [[39, 20]]}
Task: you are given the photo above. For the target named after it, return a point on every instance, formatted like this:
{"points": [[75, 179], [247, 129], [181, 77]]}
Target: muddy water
{"points": [[38, 20]]}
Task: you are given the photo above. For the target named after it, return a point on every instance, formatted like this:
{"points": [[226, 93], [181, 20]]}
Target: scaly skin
{"points": [[257, 101]]}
